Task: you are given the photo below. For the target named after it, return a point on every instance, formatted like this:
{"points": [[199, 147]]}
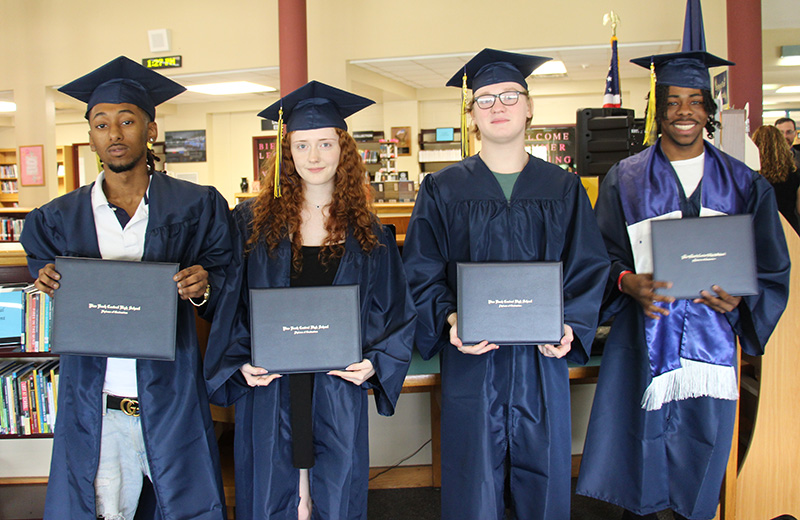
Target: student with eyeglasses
{"points": [[505, 425]]}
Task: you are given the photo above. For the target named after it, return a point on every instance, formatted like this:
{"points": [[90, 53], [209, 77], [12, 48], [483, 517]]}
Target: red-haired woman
{"points": [[303, 438]]}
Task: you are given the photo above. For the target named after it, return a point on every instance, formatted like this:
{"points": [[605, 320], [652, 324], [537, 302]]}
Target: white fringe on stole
{"points": [[693, 379]]}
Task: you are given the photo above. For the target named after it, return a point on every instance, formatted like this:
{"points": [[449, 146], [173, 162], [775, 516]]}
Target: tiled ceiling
{"points": [[588, 62]]}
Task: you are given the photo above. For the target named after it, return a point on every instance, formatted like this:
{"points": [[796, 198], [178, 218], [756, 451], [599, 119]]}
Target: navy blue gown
{"points": [[674, 457], [504, 413], [266, 479], [188, 224]]}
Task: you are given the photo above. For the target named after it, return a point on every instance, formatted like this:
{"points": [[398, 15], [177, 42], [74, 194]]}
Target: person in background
{"points": [[505, 424], [788, 128], [122, 422], [779, 169], [663, 415], [301, 444]]}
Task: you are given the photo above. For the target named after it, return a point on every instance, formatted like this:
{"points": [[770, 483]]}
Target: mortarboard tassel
{"points": [[278, 155], [650, 133], [464, 128]]}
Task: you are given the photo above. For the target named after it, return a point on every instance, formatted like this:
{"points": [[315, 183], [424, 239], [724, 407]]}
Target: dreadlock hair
{"points": [[709, 105], [776, 156], [275, 219]]}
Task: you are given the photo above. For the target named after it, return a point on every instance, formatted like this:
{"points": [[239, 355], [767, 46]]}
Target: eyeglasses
{"points": [[486, 101]]}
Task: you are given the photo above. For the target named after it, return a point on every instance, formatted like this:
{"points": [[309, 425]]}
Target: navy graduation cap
{"points": [[491, 66], [315, 105], [312, 106], [683, 69], [122, 80]]}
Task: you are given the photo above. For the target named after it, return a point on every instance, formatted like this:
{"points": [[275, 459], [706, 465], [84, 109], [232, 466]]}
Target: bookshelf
{"points": [[369, 148], [26, 458], [66, 161], [438, 148], [11, 223], [9, 178]]}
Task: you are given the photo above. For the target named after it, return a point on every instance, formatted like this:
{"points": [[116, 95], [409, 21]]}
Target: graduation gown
{"points": [[674, 457], [266, 480], [188, 224], [506, 411]]}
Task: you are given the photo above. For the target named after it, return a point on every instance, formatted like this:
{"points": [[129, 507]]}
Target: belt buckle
{"points": [[129, 407]]}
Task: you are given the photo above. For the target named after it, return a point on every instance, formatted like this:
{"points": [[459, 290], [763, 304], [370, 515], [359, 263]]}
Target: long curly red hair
{"points": [[275, 219]]}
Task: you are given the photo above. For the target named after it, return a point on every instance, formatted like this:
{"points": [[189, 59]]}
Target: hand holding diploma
{"points": [[356, 373]]}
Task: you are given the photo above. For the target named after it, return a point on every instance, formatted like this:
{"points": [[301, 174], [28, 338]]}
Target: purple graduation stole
{"points": [[692, 351]]}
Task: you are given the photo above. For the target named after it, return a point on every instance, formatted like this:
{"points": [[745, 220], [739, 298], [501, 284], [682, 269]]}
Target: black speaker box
{"points": [[605, 136]]}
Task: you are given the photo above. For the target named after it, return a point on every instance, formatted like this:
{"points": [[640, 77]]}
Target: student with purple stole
{"points": [[663, 415]]}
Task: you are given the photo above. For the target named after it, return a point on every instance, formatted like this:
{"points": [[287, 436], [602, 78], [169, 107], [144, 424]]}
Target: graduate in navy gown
{"points": [[663, 415], [506, 435], [301, 445], [121, 420]]}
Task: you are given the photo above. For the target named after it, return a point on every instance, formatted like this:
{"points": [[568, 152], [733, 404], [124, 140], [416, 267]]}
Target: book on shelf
{"points": [[24, 319]]}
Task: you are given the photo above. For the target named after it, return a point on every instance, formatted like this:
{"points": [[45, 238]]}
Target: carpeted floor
{"points": [[423, 504]]}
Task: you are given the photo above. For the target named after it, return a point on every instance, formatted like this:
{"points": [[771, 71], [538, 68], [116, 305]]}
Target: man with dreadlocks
{"points": [[662, 420], [122, 422]]}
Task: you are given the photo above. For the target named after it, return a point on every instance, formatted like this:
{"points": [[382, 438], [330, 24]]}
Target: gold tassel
{"points": [[650, 133], [464, 127], [278, 155]]}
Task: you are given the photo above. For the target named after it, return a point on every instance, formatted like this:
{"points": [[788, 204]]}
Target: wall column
{"points": [[293, 44], [744, 49]]}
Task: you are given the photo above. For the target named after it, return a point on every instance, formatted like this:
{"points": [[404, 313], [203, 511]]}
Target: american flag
{"points": [[612, 97]]}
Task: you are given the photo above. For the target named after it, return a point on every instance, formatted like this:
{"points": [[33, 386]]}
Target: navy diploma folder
{"points": [[510, 303], [305, 329], [696, 253], [115, 308]]}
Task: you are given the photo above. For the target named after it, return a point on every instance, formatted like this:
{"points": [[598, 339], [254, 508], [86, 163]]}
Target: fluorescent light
{"points": [[230, 87], [790, 55], [773, 114], [551, 68], [8, 106], [789, 89], [769, 86]]}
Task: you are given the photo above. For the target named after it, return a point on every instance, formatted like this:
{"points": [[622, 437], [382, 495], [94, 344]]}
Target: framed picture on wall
{"points": [[31, 165], [186, 146], [263, 148], [403, 136]]}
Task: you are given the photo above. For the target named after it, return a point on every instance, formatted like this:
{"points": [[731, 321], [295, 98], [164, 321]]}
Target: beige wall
{"points": [[47, 43]]}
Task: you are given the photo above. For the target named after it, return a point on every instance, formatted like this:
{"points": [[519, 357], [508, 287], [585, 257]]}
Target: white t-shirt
{"points": [[119, 244], [690, 172]]}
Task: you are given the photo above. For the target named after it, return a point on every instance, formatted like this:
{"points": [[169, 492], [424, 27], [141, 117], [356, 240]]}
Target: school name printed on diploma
{"points": [[106, 308], [702, 257], [305, 329], [503, 304]]}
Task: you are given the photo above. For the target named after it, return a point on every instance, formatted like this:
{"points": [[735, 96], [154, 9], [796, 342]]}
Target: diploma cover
{"points": [[305, 329], [696, 253], [510, 303], [115, 308]]}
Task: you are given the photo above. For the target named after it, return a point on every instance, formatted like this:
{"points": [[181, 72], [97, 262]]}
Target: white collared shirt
{"points": [[119, 244]]}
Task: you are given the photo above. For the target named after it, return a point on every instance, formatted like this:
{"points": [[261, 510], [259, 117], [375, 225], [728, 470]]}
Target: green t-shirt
{"points": [[507, 181]]}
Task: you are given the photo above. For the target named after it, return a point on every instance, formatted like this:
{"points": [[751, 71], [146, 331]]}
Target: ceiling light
{"points": [[8, 106], [769, 86], [773, 114], [230, 87], [790, 55], [551, 68], [789, 89]]}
